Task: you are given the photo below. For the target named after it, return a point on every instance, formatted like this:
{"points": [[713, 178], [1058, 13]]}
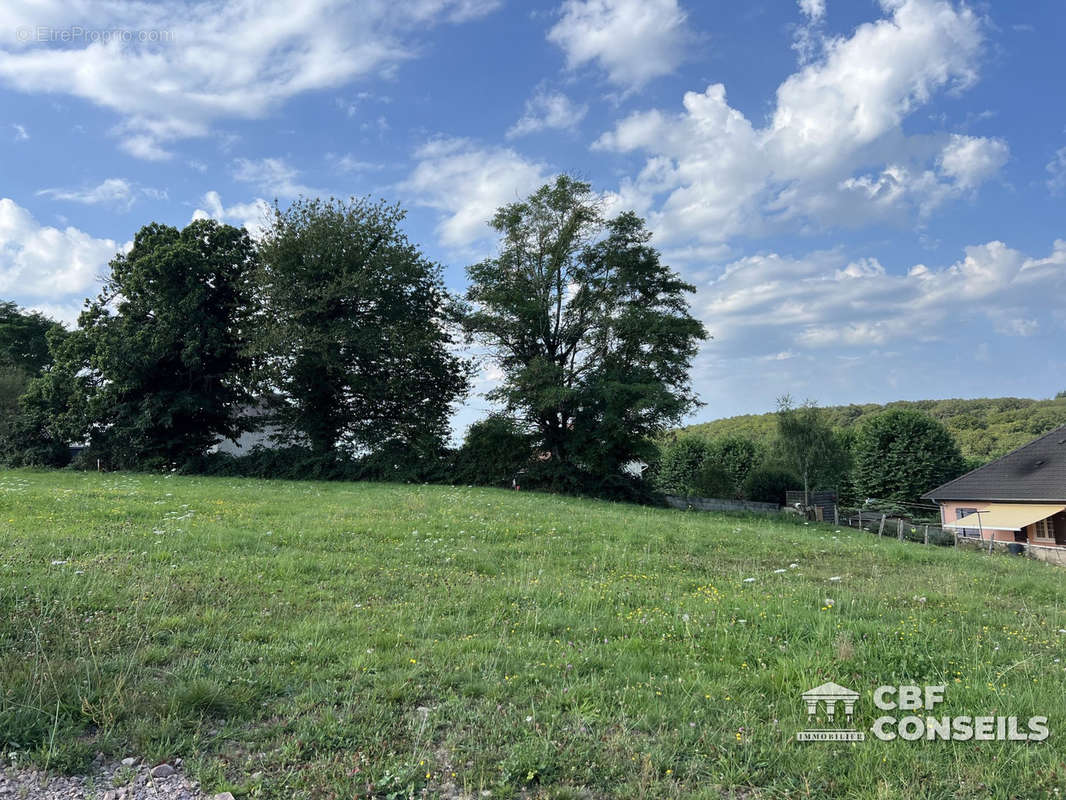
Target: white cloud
{"points": [[467, 182], [548, 110], [632, 41], [112, 191], [1056, 169], [834, 152], [252, 216], [272, 176], [971, 160], [349, 163], [768, 304], [809, 37], [814, 10], [20, 133], [41, 263], [212, 62]]}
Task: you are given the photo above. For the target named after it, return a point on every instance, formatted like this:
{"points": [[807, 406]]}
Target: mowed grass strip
{"points": [[348, 640]]}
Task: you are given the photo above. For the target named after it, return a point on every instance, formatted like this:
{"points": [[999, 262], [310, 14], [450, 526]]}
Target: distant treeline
{"points": [[984, 428]]}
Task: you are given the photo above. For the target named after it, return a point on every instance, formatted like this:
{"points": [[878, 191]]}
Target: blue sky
{"points": [[868, 196]]}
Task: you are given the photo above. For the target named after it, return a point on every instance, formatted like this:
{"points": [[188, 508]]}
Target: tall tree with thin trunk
{"points": [[807, 444], [591, 331]]}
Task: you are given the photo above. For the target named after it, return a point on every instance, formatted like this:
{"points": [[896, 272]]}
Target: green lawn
{"points": [[347, 640]]}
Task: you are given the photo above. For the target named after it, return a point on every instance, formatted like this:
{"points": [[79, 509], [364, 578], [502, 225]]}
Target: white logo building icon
{"points": [[832, 701]]}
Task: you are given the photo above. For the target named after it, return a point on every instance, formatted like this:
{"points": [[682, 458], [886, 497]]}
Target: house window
{"points": [[965, 512], [1044, 530]]}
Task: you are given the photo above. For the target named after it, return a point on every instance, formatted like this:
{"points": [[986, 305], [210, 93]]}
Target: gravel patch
{"points": [[130, 779]]}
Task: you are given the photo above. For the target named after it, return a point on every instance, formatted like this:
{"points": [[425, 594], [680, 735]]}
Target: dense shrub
{"points": [[901, 454], [680, 466], [695, 467], [769, 484], [729, 462], [494, 450]]}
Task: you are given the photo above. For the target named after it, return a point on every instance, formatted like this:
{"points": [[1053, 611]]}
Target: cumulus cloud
{"points": [[548, 110], [971, 160], [20, 132], [43, 265], [632, 41], [467, 182], [766, 304], [253, 216], [834, 152], [202, 62]]}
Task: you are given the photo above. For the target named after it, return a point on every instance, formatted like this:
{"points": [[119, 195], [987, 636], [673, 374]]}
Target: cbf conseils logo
{"points": [[830, 702], [834, 705]]}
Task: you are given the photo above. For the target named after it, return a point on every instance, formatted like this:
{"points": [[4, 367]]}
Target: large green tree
{"points": [[161, 354], [809, 447], [901, 454], [591, 331], [24, 353], [355, 339], [24, 338]]}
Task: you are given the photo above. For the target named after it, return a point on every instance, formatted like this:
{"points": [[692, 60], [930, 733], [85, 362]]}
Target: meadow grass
{"points": [[294, 639]]}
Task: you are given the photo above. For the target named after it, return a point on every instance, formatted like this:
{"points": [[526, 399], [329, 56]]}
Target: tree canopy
{"points": [[153, 374], [901, 454], [354, 344], [985, 428], [591, 331], [808, 446]]}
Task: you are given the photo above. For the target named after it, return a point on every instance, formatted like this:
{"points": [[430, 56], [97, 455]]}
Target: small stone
{"points": [[257, 776], [164, 770], [223, 796], [130, 761], [111, 794]]}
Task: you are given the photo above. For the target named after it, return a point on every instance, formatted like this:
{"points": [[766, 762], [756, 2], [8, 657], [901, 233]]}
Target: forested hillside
{"points": [[985, 428]]}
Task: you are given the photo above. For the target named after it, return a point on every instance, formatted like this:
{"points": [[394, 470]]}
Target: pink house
{"points": [[1020, 497]]}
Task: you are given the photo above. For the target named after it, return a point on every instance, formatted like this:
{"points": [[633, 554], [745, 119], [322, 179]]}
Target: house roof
{"points": [[1035, 472]]}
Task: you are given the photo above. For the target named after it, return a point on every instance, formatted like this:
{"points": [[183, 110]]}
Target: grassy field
{"points": [[352, 640]]}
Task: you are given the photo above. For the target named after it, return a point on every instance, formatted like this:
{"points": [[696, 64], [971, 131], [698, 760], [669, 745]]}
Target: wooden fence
{"points": [[931, 533]]}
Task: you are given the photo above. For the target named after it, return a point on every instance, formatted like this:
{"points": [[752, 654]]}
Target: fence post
{"points": [[925, 540], [836, 515], [899, 533], [860, 519], [881, 527]]}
